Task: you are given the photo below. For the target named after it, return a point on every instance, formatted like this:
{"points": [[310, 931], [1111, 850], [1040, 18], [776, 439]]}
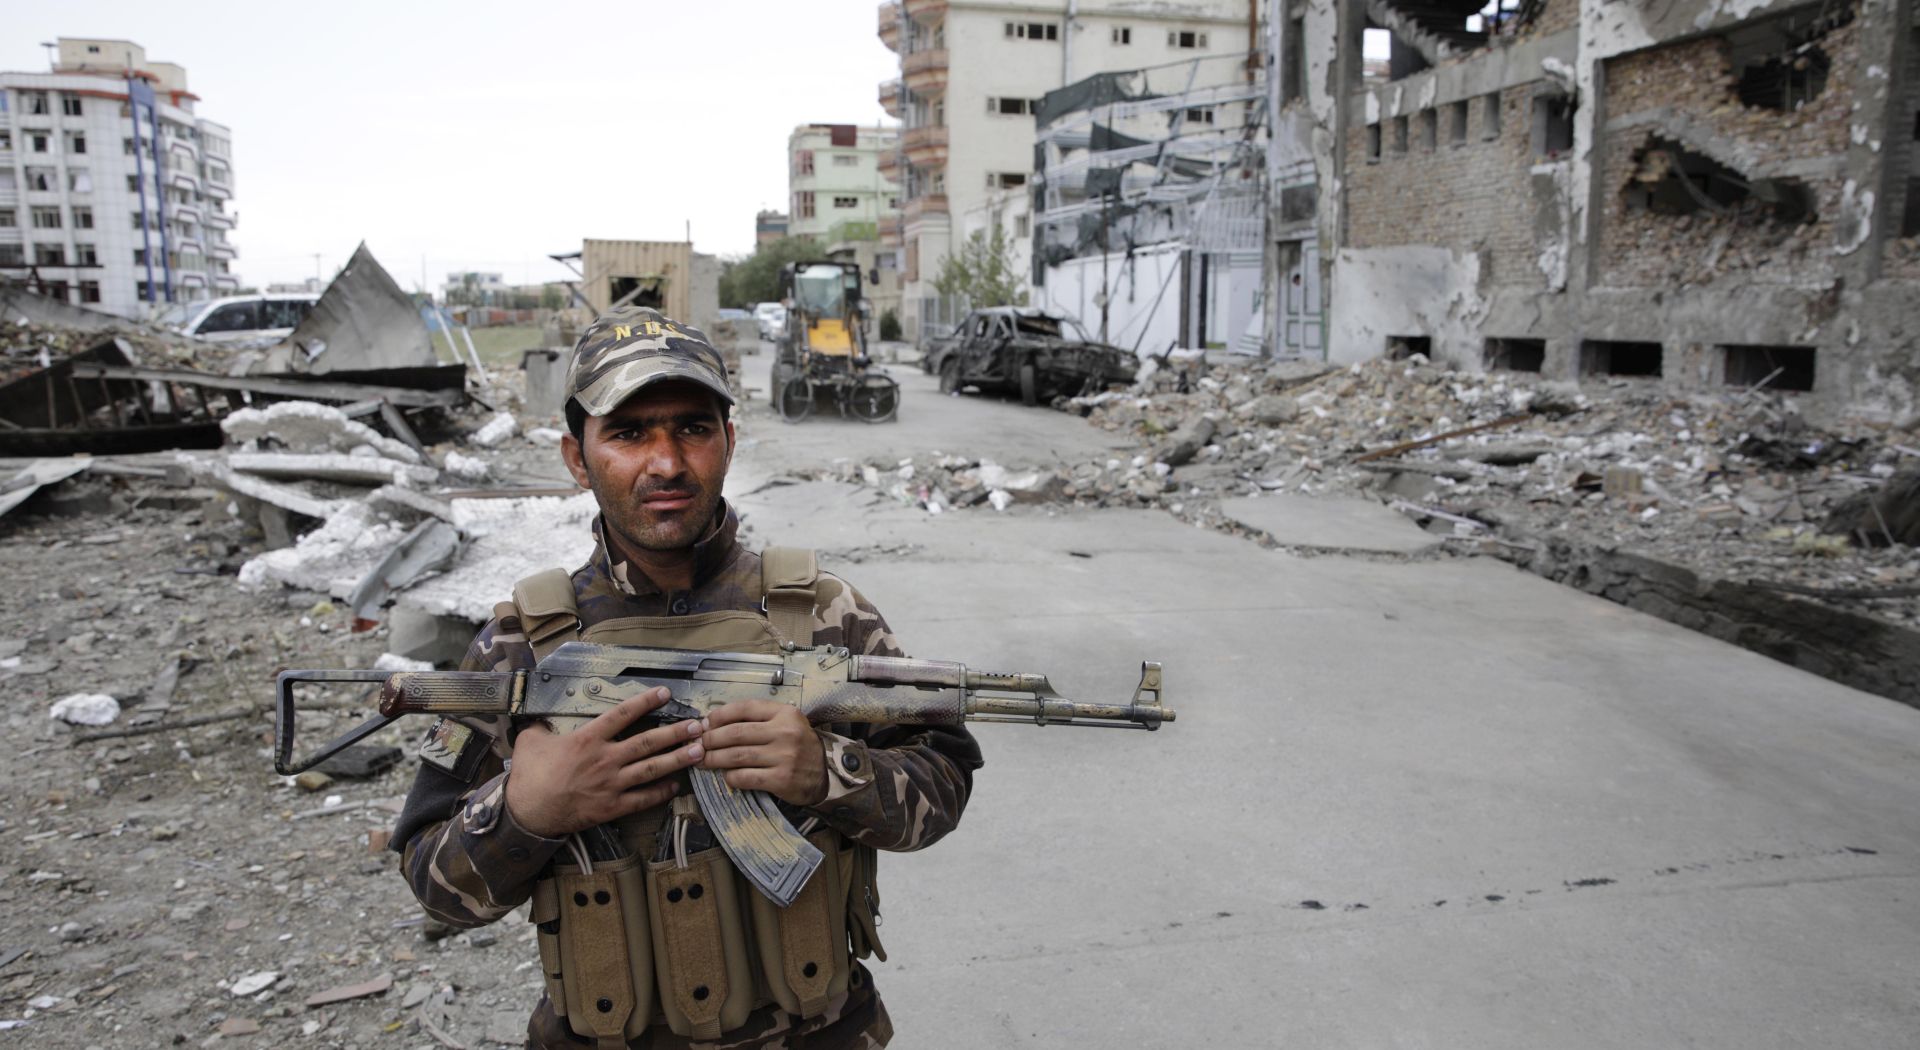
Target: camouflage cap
{"points": [[629, 347]]}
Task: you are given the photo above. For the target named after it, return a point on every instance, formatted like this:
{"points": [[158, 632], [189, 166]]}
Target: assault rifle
{"points": [[579, 680]]}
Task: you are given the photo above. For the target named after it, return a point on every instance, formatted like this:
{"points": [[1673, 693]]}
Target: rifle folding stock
{"points": [[579, 680]]}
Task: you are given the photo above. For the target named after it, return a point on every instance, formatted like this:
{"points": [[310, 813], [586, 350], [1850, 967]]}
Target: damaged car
{"points": [[1038, 354]]}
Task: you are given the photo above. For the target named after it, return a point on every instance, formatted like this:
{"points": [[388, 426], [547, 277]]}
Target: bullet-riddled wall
{"points": [[1705, 194]]}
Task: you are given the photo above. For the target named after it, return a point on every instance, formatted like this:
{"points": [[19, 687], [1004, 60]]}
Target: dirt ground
{"points": [[150, 880]]}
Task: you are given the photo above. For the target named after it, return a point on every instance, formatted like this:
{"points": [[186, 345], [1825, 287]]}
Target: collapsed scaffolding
{"points": [[1150, 180]]}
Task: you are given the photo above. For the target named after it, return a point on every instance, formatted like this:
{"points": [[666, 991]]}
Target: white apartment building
{"points": [[972, 73], [836, 188], [104, 213]]}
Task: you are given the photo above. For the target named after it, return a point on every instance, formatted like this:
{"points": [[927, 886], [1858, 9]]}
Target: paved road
{"points": [[1429, 804], [930, 423]]}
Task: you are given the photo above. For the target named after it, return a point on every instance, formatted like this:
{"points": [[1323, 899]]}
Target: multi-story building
{"points": [[842, 193], [835, 181], [769, 226], [971, 75], [114, 194], [1696, 195]]}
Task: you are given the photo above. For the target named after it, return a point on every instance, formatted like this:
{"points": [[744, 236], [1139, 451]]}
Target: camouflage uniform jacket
{"points": [[470, 863]]}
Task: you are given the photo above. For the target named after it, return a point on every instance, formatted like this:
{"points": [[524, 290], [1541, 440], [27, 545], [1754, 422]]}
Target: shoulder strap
{"points": [[547, 610], [788, 578]]}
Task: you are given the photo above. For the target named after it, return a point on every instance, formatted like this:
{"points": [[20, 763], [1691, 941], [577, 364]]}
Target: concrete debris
{"points": [[35, 476], [333, 466], [253, 983], [299, 501], [86, 709], [400, 500], [494, 431], [333, 558], [428, 548], [469, 468], [308, 426]]}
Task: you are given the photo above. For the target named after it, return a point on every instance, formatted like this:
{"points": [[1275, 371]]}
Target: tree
{"points": [[756, 278], [983, 271]]}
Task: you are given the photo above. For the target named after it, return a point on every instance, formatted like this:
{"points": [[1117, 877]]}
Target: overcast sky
{"points": [[486, 136]]}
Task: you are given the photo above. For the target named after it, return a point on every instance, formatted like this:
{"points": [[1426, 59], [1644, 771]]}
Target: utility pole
{"points": [[316, 267]]}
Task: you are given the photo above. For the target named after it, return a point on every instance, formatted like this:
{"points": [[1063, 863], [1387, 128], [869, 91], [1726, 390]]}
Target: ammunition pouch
{"points": [[700, 944], [803, 947], [639, 943], [603, 984]]}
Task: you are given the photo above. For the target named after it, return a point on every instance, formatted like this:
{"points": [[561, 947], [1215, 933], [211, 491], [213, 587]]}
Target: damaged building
{"points": [[1705, 194], [1148, 205]]}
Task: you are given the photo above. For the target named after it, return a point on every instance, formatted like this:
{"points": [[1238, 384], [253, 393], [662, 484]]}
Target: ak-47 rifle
{"points": [[580, 680]]}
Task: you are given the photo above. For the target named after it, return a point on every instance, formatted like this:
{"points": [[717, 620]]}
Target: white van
{"points": [[241, 318]]}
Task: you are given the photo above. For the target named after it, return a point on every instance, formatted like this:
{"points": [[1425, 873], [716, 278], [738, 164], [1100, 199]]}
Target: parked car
{"points": [[1038, 354], [241, 318], [773, 320]]}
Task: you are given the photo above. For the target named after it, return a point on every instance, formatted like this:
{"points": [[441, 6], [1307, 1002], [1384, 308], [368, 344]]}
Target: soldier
{"points": [[494, 820]]}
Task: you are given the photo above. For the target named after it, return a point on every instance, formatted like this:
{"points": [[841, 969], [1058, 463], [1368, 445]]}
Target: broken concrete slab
{"points": [[507, 541], [36, 475], [399, 497], [332, 466], [1329, 524], [429, 547], [219, 475], [308, 426], [333, 558]]}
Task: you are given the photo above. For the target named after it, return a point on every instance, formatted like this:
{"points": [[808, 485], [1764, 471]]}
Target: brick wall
{"points": [[1696, 80], [1474, 197], [1558, 15]]}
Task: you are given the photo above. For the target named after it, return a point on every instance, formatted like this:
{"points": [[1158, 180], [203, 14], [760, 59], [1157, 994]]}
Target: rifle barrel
{"points": [[989, 707]]}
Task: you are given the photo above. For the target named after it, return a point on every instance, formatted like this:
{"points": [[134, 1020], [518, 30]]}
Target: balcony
{"points": [[928, 11], [890, 25], [892, 96], [926, 71], [891, 234], [890, 165], [217, 189], [926, 147], [223, 251], [921, 207], [219, 220]]}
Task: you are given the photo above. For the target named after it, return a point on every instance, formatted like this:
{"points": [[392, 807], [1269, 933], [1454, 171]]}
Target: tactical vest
{"points": [[646, 939]]}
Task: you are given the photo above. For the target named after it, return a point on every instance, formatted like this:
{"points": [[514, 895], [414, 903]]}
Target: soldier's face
{"points": [[656, 464]]}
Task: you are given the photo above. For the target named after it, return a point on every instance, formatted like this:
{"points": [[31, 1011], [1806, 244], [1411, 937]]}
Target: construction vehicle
{"points": [[822, 351]]}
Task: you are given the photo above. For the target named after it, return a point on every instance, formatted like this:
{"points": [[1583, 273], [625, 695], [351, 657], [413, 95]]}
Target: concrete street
{"points": [[1406, 803]]}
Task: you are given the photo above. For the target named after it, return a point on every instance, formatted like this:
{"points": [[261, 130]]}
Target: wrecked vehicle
{"points": [[1036, 353]]}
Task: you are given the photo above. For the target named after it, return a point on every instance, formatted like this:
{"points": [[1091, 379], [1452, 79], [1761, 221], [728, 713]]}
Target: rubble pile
{"points": [[27, 346], [1739, 485], [1736, 484]]}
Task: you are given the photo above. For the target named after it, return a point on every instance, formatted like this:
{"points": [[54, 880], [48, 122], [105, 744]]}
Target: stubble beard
{"points": [[642, 531]]}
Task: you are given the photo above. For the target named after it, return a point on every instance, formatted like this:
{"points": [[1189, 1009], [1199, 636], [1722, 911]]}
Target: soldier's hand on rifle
{"points": [[767, 746], [562, 783]]}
